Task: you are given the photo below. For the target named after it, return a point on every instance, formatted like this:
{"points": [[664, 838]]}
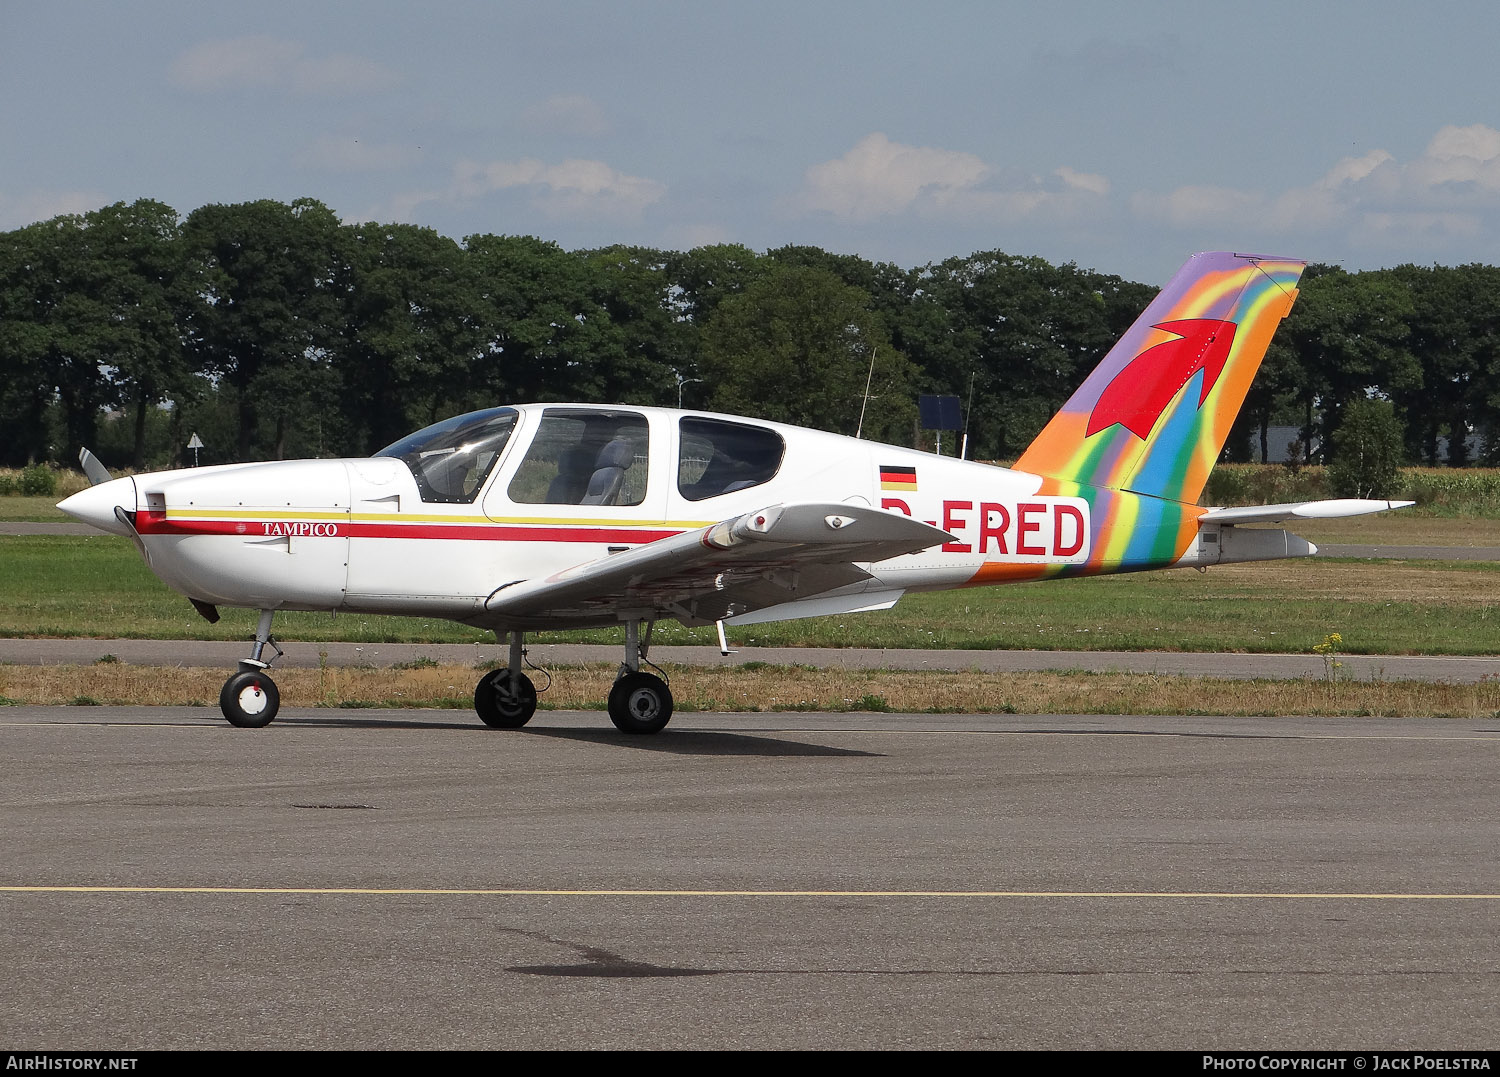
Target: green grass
{"points": [[97, 587], [65, 585], [33, 509]]}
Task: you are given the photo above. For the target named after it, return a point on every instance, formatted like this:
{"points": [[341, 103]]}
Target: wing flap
{"points": [[776, 555]]}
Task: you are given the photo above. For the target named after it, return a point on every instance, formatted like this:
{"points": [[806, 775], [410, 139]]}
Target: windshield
{"points": [[451, 459]]}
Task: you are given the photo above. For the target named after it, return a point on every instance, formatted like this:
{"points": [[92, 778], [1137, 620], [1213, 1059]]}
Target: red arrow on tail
{"points": [[1141, 392]]}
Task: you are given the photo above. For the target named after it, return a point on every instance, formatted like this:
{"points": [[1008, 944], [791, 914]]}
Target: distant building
{"points": [[1278, 444]]}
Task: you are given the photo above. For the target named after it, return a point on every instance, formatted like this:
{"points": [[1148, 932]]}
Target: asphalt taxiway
{"points": [[348, 879]]}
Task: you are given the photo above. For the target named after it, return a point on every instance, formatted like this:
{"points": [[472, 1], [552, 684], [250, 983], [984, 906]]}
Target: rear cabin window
{"points": [[585, 457], [451, 459], [719, 457]]}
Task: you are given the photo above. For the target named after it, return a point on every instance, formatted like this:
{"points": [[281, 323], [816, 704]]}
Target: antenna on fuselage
{"points": [[860, 429], [963, 450]]}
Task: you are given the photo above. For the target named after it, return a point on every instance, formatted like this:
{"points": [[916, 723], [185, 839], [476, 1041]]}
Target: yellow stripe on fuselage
{"points": [[316, 515]]}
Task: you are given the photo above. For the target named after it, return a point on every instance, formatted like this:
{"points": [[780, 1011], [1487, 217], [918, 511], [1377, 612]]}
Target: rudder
{"points": [[1154, 415]]}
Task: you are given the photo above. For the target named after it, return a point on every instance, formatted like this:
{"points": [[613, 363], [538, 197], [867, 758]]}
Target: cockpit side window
{"points": [[451, 459], [581, 456], [719, 457]]}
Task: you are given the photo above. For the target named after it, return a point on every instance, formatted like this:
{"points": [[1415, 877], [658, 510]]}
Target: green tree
{"points": [[1350, 332], [796, 346], [638, 344], [1025, 331], [1455, 336], [266, 318], [409, 331], [26, 387], [534, 309], [142, 276], [61, 330], [702, 278], [1367, 450]]}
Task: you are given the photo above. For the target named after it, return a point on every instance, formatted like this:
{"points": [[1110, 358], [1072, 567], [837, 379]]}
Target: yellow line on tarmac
{"points": [[517, 892]]}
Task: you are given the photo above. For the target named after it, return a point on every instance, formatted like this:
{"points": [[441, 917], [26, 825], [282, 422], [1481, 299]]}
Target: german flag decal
{"points": [[898, 478]]}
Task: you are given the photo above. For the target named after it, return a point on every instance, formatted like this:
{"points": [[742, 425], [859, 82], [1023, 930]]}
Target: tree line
{"points": [[274, 330]]}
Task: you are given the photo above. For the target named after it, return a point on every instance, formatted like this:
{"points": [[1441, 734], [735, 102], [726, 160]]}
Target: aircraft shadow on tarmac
{"points": [[701, 742], [376, 723], [673, 742]]}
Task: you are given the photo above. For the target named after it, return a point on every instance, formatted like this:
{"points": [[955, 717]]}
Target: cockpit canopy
{"points": [[587, 455], [451, 459]]}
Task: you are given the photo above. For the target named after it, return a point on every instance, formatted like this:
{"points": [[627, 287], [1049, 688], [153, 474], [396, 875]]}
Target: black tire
{"points": [[640, 703], [249, 699], [500, 708]]}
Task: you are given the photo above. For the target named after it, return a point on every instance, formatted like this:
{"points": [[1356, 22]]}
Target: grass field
{"points": [[65, 586]]}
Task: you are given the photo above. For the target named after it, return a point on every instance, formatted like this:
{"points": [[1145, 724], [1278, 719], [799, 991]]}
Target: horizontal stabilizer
{"points": [[1333, 509]]}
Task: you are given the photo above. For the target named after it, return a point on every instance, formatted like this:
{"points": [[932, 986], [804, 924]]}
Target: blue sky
{"points": [[1120, 136]]}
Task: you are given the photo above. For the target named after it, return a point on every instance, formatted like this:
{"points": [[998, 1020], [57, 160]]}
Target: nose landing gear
{"points": [[250, 699]]}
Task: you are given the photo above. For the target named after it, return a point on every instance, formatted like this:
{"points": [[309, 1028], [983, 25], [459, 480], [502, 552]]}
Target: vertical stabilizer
{"points": [[1154, 415]]}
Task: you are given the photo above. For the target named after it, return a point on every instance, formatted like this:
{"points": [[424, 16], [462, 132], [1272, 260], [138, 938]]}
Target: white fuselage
{"points": [[362, 534]]}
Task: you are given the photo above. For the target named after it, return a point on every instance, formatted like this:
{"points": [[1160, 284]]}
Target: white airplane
{"points": [[546, 516]]}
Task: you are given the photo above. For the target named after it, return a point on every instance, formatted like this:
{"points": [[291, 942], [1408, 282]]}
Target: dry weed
{"points": [[780, 688]]}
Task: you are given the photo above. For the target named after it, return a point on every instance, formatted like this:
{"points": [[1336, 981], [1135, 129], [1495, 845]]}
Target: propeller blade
{"points": [[97, 473]]}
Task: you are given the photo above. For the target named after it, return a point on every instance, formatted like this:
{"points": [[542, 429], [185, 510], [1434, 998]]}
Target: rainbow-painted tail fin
{"points": [[1154, 415]]}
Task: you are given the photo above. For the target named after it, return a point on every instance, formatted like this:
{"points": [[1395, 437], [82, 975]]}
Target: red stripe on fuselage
{"points": [[258, 529]]}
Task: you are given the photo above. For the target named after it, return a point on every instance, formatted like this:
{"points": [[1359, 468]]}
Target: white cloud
{"points": [[262, 62], [567, 114], [571, 189], [1083, 181], [1353, 169], [1450, 191], [1459, 155], [881, 178], [1476, 142], [17, 211]]}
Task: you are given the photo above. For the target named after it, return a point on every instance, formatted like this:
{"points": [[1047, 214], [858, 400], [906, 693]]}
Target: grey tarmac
{"points": [[371, 879]]}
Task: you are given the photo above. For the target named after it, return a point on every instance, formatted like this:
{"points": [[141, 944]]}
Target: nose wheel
{"points": [[250, 698]]}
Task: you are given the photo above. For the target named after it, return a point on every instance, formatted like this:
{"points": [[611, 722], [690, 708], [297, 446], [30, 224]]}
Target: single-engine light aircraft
{"points": [[545, 516]]}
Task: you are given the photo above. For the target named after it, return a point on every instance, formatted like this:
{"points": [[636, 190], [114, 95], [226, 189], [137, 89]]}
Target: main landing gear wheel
{"points": [[249, 699], [499, 705], [640, 703]]}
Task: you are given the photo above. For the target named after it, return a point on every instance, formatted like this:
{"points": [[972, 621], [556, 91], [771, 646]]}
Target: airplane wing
{"points": [[1302, 510], [775, 555]]}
